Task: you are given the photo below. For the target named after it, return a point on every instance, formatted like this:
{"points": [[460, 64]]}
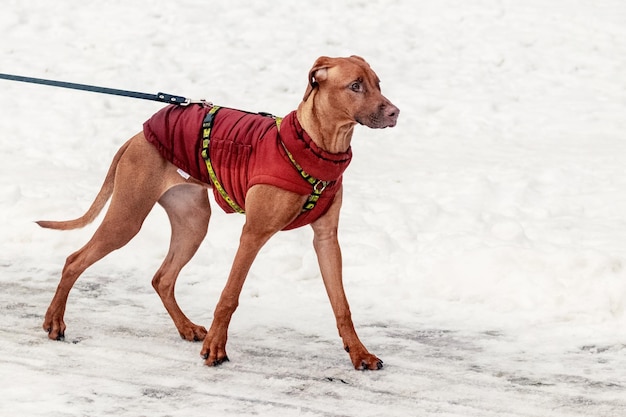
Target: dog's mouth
{"points": [[377, 121], [392, 123], [385, 116]]}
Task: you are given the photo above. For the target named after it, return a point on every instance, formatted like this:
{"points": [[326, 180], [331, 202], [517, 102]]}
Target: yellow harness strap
{"points": [[318, 185], [207, 125]]}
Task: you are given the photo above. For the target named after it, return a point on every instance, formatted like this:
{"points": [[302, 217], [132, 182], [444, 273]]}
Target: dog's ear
{"points": [[359, 58], [317, 74]]}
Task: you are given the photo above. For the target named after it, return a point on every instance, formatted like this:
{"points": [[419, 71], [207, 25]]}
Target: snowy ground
{"points": [[484, 237]]}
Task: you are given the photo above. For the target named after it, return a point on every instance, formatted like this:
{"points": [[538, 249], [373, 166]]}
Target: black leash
{"points": [[162, 97]]}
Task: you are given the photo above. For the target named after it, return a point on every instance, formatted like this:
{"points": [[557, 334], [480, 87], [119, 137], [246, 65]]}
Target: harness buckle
{"points": [[319, 186]]}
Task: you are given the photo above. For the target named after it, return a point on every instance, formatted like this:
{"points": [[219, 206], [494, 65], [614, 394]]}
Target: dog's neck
{"points": [[333, 138]]}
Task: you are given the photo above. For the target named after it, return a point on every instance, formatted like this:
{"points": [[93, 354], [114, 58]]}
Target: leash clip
{"points": [[171, 99], [179, 100]]}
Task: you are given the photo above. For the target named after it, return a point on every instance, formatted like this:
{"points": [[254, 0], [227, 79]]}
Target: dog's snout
{"points": [[391, 114]]}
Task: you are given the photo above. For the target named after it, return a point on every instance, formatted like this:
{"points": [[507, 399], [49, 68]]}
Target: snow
{"points": [[484, 237]]}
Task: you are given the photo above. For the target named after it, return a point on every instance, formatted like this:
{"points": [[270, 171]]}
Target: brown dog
{"points": [[313, 142]]}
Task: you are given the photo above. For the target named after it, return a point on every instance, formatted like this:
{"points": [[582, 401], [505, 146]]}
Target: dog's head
{"points": [[349, 85]]}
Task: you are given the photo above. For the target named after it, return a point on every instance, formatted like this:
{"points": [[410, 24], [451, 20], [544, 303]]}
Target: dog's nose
{"points": [[392, 113]]}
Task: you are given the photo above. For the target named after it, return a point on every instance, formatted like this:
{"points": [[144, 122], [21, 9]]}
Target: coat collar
{"points": [[315, 161]]}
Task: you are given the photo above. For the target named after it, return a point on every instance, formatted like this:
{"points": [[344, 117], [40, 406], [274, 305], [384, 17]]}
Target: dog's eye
{"points": [[355, 86]]}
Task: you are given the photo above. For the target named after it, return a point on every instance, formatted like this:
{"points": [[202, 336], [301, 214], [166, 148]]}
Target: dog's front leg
{"points": [[268, 210], [214, 347], [329, 257]]}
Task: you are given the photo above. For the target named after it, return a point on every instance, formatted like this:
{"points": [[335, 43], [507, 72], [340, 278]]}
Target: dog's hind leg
{"points": [[136, 191], [187, 206]]}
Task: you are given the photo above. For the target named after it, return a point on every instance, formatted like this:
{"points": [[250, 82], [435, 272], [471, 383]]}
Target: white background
{"points": [[484, 237]]}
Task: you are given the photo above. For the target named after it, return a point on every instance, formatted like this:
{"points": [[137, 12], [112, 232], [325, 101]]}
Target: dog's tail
{"points": [[96, 207]]}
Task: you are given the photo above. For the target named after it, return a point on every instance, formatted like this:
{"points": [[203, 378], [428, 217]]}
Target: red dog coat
{"points": [[245, 150]]}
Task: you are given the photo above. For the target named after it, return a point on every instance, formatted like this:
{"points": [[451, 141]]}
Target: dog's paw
{"points": [[214, 351], [193, 333], [216, 362], [54, 328], [365, 361], [55, 335], [371, 365]]}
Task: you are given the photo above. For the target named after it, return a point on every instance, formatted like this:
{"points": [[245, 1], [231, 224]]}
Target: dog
{"points": [[295, 179]]}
